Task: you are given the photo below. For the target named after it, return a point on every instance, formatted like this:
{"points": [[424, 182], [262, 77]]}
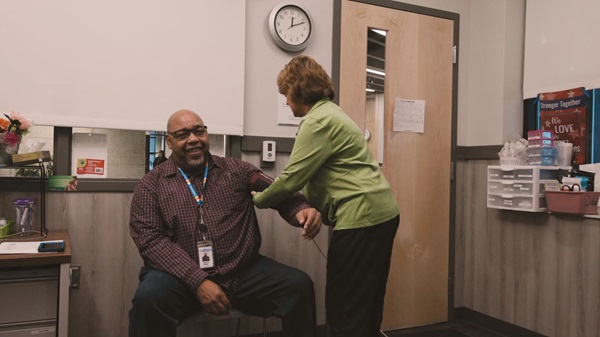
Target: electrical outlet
{"points": [[74, 275]]}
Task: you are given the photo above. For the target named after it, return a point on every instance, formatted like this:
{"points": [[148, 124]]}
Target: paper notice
{"points": [[409, 115]]}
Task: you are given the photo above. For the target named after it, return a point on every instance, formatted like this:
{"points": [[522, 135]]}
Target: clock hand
{"points": [[292, 24], [297, 24]]}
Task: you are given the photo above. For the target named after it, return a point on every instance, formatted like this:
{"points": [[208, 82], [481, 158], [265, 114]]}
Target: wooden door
{"points": [[419, 65]]}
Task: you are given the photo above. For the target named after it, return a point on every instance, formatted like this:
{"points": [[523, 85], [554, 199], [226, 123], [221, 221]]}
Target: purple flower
{"points": [[12, 138]]}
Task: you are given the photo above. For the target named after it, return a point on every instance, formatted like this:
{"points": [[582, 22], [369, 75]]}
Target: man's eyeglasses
{"points": [[184, 134]]}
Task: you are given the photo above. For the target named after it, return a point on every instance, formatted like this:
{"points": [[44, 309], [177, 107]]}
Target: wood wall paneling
{"points": [[535, 270], [101, 245]]}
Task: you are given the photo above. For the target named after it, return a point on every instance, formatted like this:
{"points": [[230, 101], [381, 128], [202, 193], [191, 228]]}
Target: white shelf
{"points": [[519, 188]]}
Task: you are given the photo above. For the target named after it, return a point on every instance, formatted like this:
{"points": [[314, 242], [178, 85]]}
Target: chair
{"points": [[233, 314]]}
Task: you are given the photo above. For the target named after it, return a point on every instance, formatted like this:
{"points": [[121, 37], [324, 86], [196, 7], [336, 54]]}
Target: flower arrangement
{"points": [[13, 127]]}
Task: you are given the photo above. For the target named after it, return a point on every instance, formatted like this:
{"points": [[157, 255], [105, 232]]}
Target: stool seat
{"points": [[203, 316]]}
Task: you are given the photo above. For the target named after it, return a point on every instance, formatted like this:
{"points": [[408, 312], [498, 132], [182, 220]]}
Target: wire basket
{"points": [[510, 161]]}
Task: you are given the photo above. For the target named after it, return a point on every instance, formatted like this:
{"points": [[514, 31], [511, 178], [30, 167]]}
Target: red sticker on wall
{"points": [[90, 166]]}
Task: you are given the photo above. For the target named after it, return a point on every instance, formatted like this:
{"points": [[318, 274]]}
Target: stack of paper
{"points": [[28, 247]]}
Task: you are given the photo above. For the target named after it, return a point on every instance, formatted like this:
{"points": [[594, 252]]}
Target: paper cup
{"points": [[565, 153]]}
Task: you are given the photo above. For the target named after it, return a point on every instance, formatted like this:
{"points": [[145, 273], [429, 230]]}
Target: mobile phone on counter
{"points": [[51, 246]]}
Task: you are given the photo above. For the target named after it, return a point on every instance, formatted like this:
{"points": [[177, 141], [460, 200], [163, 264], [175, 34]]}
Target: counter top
{"points": [[21, 260]]}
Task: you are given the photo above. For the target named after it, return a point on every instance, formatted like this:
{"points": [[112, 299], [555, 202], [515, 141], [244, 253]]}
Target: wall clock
{"points": [[290, 26]]}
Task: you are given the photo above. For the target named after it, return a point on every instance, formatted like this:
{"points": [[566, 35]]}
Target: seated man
{"points": [[197, 203]]}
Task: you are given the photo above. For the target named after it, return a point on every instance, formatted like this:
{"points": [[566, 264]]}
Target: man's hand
{"points": [[213, 299], [311, 222]]}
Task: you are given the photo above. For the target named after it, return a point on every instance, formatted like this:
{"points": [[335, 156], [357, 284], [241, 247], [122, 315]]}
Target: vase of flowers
{"points": [[12, 129]]}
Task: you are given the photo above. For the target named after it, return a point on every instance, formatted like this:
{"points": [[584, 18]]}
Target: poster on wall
{"points": [[89, 155], [564, 112]]}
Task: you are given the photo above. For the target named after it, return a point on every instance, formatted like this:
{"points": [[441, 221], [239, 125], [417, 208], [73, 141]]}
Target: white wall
{"points": [[264, 60], [123, 64], [513, 70], [560, 51], [486, 73], [461, 7], [490, 68], [496, 72]]}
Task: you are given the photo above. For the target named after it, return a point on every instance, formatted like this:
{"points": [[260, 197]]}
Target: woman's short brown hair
{"points": [[305, 81]]}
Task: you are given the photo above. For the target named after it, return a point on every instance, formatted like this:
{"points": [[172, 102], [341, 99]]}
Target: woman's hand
{"points": [[311, 222]]}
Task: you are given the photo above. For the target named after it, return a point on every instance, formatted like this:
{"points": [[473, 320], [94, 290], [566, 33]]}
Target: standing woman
{"points": [[333, 165]]}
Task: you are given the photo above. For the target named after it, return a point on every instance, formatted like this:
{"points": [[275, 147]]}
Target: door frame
{"points": [[335, 74]]}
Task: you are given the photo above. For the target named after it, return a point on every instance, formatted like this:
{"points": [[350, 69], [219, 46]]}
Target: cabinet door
{"points": [[28, 298], [29, 330]]}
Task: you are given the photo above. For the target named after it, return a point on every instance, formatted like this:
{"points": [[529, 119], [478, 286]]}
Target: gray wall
{"points": [[264, 60], [490, 68]]}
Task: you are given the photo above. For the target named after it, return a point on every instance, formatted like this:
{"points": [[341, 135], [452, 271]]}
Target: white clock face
{"points": [[292, 25]]}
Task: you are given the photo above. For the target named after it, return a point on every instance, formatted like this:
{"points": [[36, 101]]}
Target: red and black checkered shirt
{"points": [[165, 218]]}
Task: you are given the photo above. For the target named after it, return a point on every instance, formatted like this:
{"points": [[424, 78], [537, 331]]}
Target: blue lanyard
{"points": [[199, 198]]}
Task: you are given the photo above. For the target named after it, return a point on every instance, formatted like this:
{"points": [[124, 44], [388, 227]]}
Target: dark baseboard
{"points": [[465, 314], [493, 324], [478, 152]]}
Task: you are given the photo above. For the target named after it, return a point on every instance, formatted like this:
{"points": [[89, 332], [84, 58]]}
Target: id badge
{"points": [[205, 254]]}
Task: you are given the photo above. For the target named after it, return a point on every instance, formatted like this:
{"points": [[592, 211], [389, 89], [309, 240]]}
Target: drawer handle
{"points": [[49, 322], [29, 280]]}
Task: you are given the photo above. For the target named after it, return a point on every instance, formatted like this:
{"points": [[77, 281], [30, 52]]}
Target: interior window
{"points": [[127, 154], [102, 153]]}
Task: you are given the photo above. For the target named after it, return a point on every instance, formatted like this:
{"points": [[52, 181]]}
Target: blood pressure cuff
{"points": [[260, 181]]}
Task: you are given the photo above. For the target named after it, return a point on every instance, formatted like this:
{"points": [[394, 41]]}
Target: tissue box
{"points": [[572, 202], [540, 142], [541, 155], [540, 134], [31, 157]]}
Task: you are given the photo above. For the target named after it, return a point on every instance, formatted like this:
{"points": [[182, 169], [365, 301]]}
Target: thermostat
{"points": [[268, 151]]}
